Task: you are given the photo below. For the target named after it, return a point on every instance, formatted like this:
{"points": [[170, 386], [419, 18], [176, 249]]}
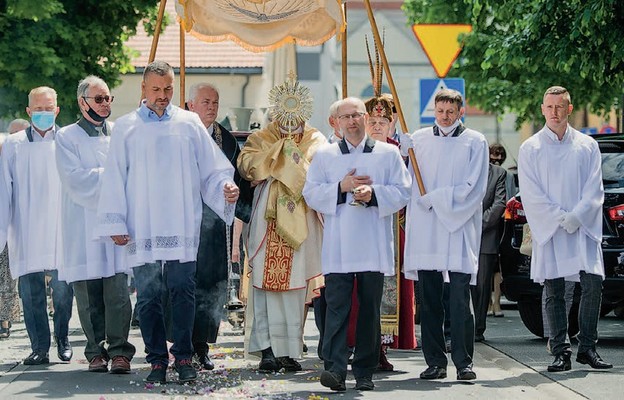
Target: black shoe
{"points": [[562, 363], [204, 361], [289, 364], [269, 363], [37, 358], [433, 372], [466, 374], [333, 381], [305, 348], [591, 358], [158, 374], [479, 338], [64, 349], [364, 384], [186, 372]]}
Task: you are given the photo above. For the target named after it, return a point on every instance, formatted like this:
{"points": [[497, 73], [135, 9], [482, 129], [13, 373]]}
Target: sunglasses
{"points": [[99, 99]]}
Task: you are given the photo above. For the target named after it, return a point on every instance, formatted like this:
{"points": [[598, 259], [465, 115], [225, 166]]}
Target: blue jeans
{"points": [[178, 280], [33, 293]]}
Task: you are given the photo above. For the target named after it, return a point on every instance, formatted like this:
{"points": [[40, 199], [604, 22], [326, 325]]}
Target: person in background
{"points": [[212, 268], [28, 175], [560, 173], [9, 297], [95, 268]]}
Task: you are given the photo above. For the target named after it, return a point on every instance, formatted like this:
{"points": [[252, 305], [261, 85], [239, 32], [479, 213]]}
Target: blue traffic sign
{"points": [[428, 89]]}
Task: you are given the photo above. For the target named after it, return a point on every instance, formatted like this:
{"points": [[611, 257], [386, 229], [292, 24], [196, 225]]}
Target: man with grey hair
{"points": [[335, 136], [30, 225], [96, 269], [17, 125], [160, 167], [211, 275]]}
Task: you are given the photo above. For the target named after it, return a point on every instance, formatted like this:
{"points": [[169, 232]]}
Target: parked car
{"points": [[517, 285]]}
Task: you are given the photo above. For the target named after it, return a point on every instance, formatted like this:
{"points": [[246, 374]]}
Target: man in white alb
{"points": [[161, 164], [31, 225], [443, 231], [96, 268], [357, 184], [560, 176]]}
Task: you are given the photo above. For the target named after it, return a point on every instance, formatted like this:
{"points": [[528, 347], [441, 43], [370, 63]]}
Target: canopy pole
{"points": [[395, 95], [182, 66], [344, 54], [161, 13]]}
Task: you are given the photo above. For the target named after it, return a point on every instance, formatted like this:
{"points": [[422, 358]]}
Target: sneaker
{"points": [[37, 358], [158, 374], [186, 371]]}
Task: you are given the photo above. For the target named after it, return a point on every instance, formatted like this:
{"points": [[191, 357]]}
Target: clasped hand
{"points": [[359, 185], [570, 222], [230, 192]]}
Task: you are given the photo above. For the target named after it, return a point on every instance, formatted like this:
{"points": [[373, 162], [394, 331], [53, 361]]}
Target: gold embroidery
{"points": [[278, 261]]}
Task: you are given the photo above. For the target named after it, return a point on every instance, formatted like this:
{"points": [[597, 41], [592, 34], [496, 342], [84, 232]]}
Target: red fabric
{"points": [[355, 308]]}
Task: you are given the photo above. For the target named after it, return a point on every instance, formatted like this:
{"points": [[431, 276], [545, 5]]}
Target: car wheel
{"points": [[531, 315]]}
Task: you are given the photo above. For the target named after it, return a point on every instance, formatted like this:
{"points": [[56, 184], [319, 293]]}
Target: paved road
{"points": [[510, 366]]}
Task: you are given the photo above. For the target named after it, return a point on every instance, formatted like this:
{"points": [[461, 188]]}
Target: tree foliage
{"points": [[58, 42], [517, 49]]}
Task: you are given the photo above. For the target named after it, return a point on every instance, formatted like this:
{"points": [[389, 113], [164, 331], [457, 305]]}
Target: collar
{"points": [[365, 146], [34, 136], [93, 130], [553, 136], [149, 114]]}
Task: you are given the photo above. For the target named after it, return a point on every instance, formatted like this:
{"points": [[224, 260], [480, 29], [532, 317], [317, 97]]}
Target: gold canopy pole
{"points": [[182, 65], [161, 14], [344, 54], [395, 95]]}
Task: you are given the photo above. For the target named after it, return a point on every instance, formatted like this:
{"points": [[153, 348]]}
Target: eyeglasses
{"points": [[99, 99], [356, 115]]}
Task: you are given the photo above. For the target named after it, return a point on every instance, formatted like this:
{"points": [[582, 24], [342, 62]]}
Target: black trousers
{"points": [[320, 307], [431, 286], [482, 292], [338, 290]]}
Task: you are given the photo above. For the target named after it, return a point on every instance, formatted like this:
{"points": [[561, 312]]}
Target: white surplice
{"points": [[557, 177], [80, 162], [447, 237], [157, 172], [356, 238], [30, 203]]}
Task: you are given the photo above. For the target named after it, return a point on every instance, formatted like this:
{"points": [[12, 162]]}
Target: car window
{"points": [[613, 169]]}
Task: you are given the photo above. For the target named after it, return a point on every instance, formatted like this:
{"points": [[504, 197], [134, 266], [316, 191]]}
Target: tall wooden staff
{"points": [[344, 54], [395, 95]]}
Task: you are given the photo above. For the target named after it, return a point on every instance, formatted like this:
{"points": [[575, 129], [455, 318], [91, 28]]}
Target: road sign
{"points": [[428, 89], [607, 129], [440, 44]]}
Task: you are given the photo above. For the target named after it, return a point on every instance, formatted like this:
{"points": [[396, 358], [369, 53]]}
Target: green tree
{"points": [[58, 42], [517, 49]]}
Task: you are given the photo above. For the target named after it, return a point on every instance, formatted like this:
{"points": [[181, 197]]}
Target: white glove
{"points": [[406, 143], [570, 223], [424, 202]]}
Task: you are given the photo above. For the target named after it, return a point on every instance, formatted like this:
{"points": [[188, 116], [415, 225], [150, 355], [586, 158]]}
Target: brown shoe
{"points": [[98, 364], [120, 365]]}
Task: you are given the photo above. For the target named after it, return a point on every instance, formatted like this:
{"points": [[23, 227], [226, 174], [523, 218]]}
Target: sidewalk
{"points": [[499, 377]]}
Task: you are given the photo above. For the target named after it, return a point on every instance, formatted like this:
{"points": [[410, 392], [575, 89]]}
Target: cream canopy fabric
{"points": [[262, 25]]}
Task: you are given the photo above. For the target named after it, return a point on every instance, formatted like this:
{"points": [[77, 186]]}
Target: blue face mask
{"points": [[43, 120]]}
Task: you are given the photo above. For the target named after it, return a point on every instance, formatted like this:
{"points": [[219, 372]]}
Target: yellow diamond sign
{"points": [[440, 43]]}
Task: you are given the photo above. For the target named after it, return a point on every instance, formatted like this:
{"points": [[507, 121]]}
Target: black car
{"points": [[517, 285]]}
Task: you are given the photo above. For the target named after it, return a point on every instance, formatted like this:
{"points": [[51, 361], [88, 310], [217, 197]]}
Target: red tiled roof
{"points": [[199, 54]]}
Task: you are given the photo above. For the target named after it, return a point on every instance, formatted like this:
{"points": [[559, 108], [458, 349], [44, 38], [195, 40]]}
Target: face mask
{"points": [[43, 120], [449, 129], [95, 116]]}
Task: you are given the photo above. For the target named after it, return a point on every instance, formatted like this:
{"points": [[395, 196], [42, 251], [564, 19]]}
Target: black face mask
{"points": [[95, 116]]}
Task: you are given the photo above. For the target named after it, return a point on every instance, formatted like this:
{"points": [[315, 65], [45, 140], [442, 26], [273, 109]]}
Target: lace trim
{"points": [[162, 242], [111, 219]]}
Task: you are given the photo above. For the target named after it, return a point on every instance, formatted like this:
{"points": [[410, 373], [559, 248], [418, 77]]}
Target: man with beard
{"points": [[97, 269], [211, 275], [161, 165]]}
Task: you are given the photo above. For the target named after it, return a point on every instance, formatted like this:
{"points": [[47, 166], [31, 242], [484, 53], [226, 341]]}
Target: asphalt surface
{"points": [[510, 365]]}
